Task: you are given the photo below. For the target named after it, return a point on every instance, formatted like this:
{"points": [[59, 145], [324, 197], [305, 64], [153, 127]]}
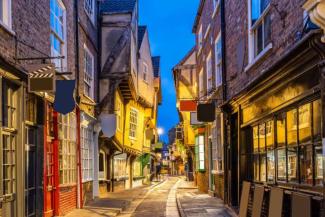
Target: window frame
{"points": [[6, 11], [200, 149], [87, 76], [218, 61], [133, 124], [87, 150], [253, 56], [63, 41], [209, 72], [93, 12]]}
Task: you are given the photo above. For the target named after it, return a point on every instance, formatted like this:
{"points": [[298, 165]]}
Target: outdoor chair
{"points": [[244, 199], [258, 201]]}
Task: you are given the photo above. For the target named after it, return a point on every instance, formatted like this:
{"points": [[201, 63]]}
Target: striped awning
{"points": [[42, 71]]}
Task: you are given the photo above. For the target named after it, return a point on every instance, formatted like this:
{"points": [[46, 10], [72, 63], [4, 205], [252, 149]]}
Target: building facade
{"points": [[260, 64]]}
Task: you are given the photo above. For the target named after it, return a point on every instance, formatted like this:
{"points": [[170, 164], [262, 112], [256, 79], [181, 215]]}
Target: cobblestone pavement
{"points": [[193, 203], [160, 201]]}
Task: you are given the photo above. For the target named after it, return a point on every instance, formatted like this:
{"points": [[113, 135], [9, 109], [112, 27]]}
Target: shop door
{"points": [[232, 161], [49, 188], [8, 174], [30, 169]]}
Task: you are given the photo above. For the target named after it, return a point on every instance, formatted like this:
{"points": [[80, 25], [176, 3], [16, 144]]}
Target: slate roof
{"points": [[117, 6], [156, 66], [141, 32]]}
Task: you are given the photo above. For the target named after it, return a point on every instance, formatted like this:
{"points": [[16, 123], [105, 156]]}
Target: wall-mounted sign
{"points": [[187, 105], [64, 101], [149, 134], [108, 124], [193, 120], [41, 77], [206, 112]]}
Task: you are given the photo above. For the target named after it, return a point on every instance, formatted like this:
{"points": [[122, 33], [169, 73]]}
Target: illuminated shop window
{"points": [[199, 153]]}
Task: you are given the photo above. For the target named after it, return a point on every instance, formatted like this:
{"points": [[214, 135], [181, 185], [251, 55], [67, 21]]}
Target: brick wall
{"points": [[282, 38], [68, 199]]}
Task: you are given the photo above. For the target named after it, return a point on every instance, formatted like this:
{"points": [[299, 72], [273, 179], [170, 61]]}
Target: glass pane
{"points": [[259, 39], [267, 29], [282, 165], [255, 138], [306, 169], [269, 134], [255, 10], [318, 165], [280, 124], [292, 164], [270, 166], [261, 135], [292, 127], [264, 4], [256, 168], [317, 119], [263, 167], [304, 123]]}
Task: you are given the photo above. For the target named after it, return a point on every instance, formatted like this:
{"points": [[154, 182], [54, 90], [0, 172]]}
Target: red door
{"points": [[50, 163]]}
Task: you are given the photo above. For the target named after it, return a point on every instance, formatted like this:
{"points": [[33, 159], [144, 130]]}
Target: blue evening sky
{"points": [[170, 25]]}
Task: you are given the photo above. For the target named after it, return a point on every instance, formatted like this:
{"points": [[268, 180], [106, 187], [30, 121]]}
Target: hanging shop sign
{"points": [[64, 101], [108, 124], [187, 105], [41, 77], [193, 119], [206, 112], [149, 134]]}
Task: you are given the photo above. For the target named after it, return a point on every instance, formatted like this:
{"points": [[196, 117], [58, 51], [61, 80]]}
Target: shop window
{"points": [[292, 164], [87, 152], [256, 167], [282, 165], [304, 123], [31, 108], [292, 127], [270, 166], [263, 167], [120, 167], [255, 138], [217, 147], [281, 130], [261, 135], [317, 120], [9, 163], [269, 134], [306, 168], [9, 104], [319, 165], [199, 153], [67, 148]]}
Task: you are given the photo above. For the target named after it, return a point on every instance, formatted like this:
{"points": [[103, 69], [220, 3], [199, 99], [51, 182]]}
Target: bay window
{"points": [[88, 73], [259, 27], [58, 33]]}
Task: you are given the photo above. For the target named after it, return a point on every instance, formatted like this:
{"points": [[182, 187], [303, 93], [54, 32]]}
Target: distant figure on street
{"points": [[158, 170]]}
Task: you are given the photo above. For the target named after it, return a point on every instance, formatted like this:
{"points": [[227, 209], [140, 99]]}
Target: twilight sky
{"points": [[170, 25]]}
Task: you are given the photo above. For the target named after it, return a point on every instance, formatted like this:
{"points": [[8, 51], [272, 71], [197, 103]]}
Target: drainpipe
{"points": [[224, 92], [77, 75]]}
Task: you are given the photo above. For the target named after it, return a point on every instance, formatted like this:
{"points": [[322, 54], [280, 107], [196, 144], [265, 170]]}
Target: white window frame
{"points": [[89, 76], [134, 121], [61, 64], [251, 35], [90, 11], [209, 72], [218, 61], [201, 153], [6, 19], [68, 147], [87, 141], [200, 39], [145, 71]]}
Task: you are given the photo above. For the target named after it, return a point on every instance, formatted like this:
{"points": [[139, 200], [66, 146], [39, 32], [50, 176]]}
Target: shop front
{"points": [[280, 132]]}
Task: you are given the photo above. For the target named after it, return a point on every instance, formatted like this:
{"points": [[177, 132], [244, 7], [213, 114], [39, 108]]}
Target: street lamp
{"points": [[160, 131]]}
